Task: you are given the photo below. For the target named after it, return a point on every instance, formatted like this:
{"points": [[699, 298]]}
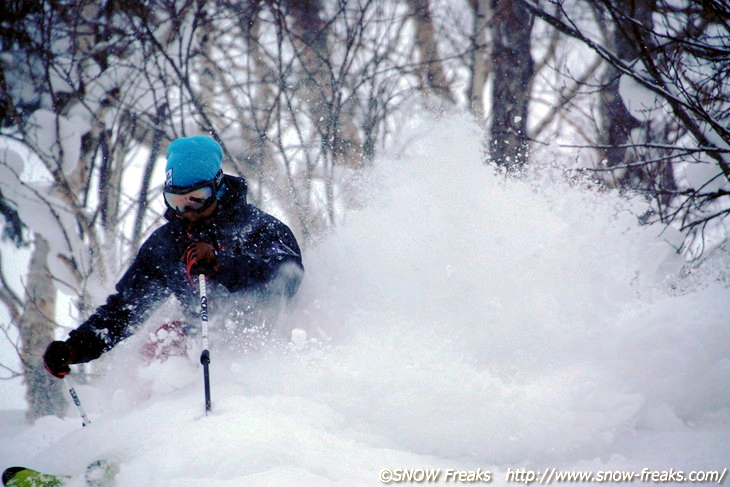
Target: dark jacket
{"points": [[252, 247]]}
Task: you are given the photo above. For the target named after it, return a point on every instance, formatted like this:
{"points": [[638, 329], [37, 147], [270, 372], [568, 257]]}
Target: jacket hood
{"points": [[235, 190]]}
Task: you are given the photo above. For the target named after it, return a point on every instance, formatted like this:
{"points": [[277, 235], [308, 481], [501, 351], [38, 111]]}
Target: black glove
{"points": [[57, 357], [200, 258]]}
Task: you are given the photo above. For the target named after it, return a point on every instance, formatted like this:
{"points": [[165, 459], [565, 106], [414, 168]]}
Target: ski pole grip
{"points": [[205, 357]]}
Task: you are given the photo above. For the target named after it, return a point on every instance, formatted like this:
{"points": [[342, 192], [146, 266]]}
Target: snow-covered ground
{"points": [[459, 321]]}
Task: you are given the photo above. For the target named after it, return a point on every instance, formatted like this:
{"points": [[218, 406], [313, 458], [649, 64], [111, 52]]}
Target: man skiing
{"points": [[211, 230]]}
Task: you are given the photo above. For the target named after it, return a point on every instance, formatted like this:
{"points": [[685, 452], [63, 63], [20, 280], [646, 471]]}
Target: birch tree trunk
{"points": [[44, 393], [480, 67], [430, 65]]}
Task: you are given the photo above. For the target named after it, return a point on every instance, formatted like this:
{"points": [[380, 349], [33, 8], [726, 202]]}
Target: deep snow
{"points": [[460, 320]]}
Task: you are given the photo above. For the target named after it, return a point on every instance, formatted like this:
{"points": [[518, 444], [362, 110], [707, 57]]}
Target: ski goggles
{"points": [[194, 198]]}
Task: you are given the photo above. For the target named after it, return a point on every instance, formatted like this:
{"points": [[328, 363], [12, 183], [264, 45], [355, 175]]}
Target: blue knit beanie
{"points": [[191, 160]]}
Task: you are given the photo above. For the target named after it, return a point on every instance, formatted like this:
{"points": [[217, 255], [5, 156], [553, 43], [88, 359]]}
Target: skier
{"points": [[211, 230]]}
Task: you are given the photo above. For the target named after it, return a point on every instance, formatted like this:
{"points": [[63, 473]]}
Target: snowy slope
{"points": [[460, 321]]}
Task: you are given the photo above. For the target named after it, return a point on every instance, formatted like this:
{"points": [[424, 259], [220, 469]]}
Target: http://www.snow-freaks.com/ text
{"points": [[547, 476]]}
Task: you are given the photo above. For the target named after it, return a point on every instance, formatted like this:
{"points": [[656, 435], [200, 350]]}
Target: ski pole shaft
{"points": [[205, 355], [85, 421]]}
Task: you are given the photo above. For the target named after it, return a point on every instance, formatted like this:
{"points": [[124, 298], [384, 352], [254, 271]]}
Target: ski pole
{"points": [[85, 421], [205, 355]]}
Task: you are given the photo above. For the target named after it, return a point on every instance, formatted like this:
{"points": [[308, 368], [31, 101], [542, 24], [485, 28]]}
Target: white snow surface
{"points": [[460, 320]]}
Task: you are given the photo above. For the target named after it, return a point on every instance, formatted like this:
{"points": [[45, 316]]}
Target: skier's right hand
{"points": [[200, 258], [57, 357]]}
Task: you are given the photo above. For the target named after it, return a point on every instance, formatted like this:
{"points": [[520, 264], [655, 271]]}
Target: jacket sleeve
{"points": [[137, 293], [269, 256]]}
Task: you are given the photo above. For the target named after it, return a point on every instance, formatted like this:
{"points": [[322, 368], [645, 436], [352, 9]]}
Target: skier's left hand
{"points": [[200, 258], [57, 357]]}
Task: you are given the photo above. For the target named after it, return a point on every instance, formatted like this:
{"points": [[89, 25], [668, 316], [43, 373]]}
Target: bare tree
{"points": [[44, 394], [622, 135], [429, 68], [678, 58], [479, 65], [513, 69], [616, 121], [302, 95], [62, 108], [299, 95]]}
